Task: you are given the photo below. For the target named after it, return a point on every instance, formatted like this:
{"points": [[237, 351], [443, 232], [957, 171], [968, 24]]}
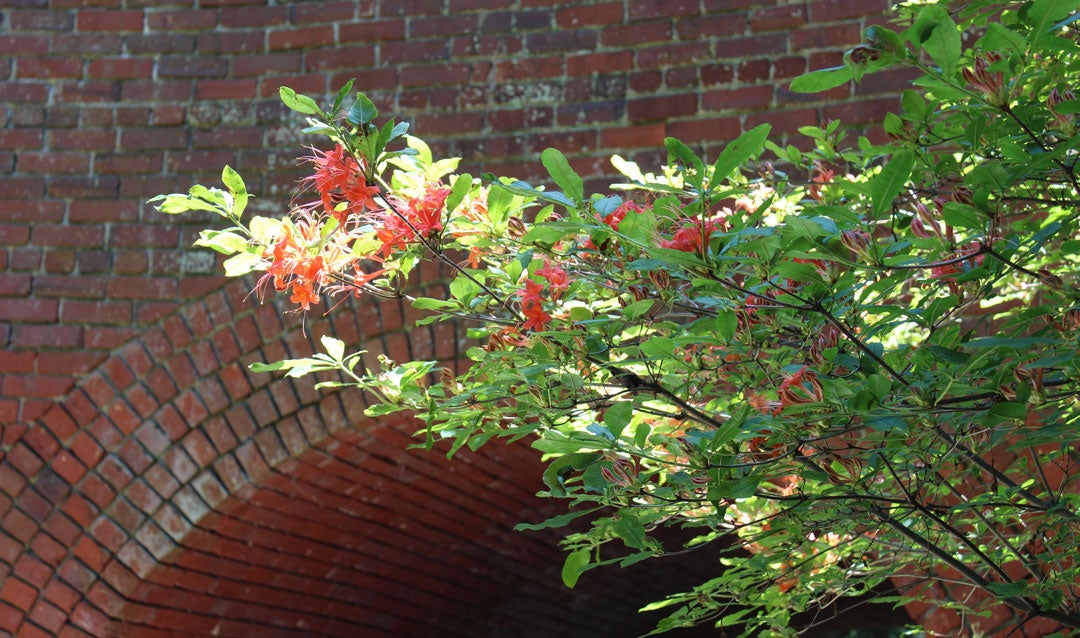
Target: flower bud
{"points": [[516, 227], [1050, 279], [660, 278], [857, 241], [990, 83]]}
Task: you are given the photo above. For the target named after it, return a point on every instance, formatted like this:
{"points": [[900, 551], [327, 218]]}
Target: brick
{"points": [[247, 17], [269, 63], [18, 593], [636, 33], [99, 20], [49, 67], [443, 26], [83, 187], [182, 20], [40, 20], [647, 9], [413, 51], [775, 18], [36, 310], [711, 27], [174, 66], [763, 46], [82, 44], [82, 139], [73, 363], [21, 188], [737, 99], [661, 107], [53, 162], [24, 44], [834, 10], [332, 12], [56, 336], [372, 31], [562, 41], [603, 14], [120, 68], [339, 58], [20, 139], [832, 36], [16, 92], [302, 38], [605, 62]]}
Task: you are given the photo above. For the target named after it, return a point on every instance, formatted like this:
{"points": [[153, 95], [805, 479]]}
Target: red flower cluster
{"points": [[294, 267], [615, 217], [412, 218], [532, 306], [558, 281], [338, 178], [692, 237]]}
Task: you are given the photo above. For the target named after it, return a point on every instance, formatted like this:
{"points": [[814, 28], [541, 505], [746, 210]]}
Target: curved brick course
{"points": [[150, 484]]}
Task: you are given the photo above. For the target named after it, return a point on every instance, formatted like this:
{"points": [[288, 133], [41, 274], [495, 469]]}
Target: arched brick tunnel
{"points": [[175, 493]]}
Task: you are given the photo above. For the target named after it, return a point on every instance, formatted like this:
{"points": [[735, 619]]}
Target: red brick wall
{"points": [[134, 438]]}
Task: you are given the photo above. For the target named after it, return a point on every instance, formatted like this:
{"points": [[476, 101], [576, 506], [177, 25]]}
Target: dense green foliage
{"points": [[847, 363]]}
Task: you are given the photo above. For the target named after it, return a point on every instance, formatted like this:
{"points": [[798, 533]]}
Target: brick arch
{"points": [[170, 425], [175, 489]]}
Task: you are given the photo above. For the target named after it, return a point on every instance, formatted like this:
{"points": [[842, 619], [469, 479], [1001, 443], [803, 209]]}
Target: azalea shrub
{"points": [[847, 363]]}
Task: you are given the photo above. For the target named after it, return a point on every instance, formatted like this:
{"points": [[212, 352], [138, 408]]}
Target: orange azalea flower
{"points": [[692, 237], [532, 306], [412, 218], [820, 178], [615, 217], [557, 279]]}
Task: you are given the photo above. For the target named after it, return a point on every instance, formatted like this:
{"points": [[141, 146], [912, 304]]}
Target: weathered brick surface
{"points": [[146, 474]]}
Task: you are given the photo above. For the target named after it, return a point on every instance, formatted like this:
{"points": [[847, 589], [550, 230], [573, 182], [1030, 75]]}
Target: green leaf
{"points": [[887, 185], [637, 309], [561, 520], [340, 99], [235, 184], [334, 347], [241, 264], [464, 289], [618, 416], [562, 174], [1009, 410], [461, 187], [741, 149], [658, 348], [944, 46], [363, 111], [630, 530], [641, 434], [428, 303], [735, 488], [549, 233], [524, 189], [822, 79], [553, 474], [575, 565], [685, 156], [1001, 38], [1008, 590], [727, 322], [962, 216], [177, 203], [299, 103], [225, 243], [1045, 14]]}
